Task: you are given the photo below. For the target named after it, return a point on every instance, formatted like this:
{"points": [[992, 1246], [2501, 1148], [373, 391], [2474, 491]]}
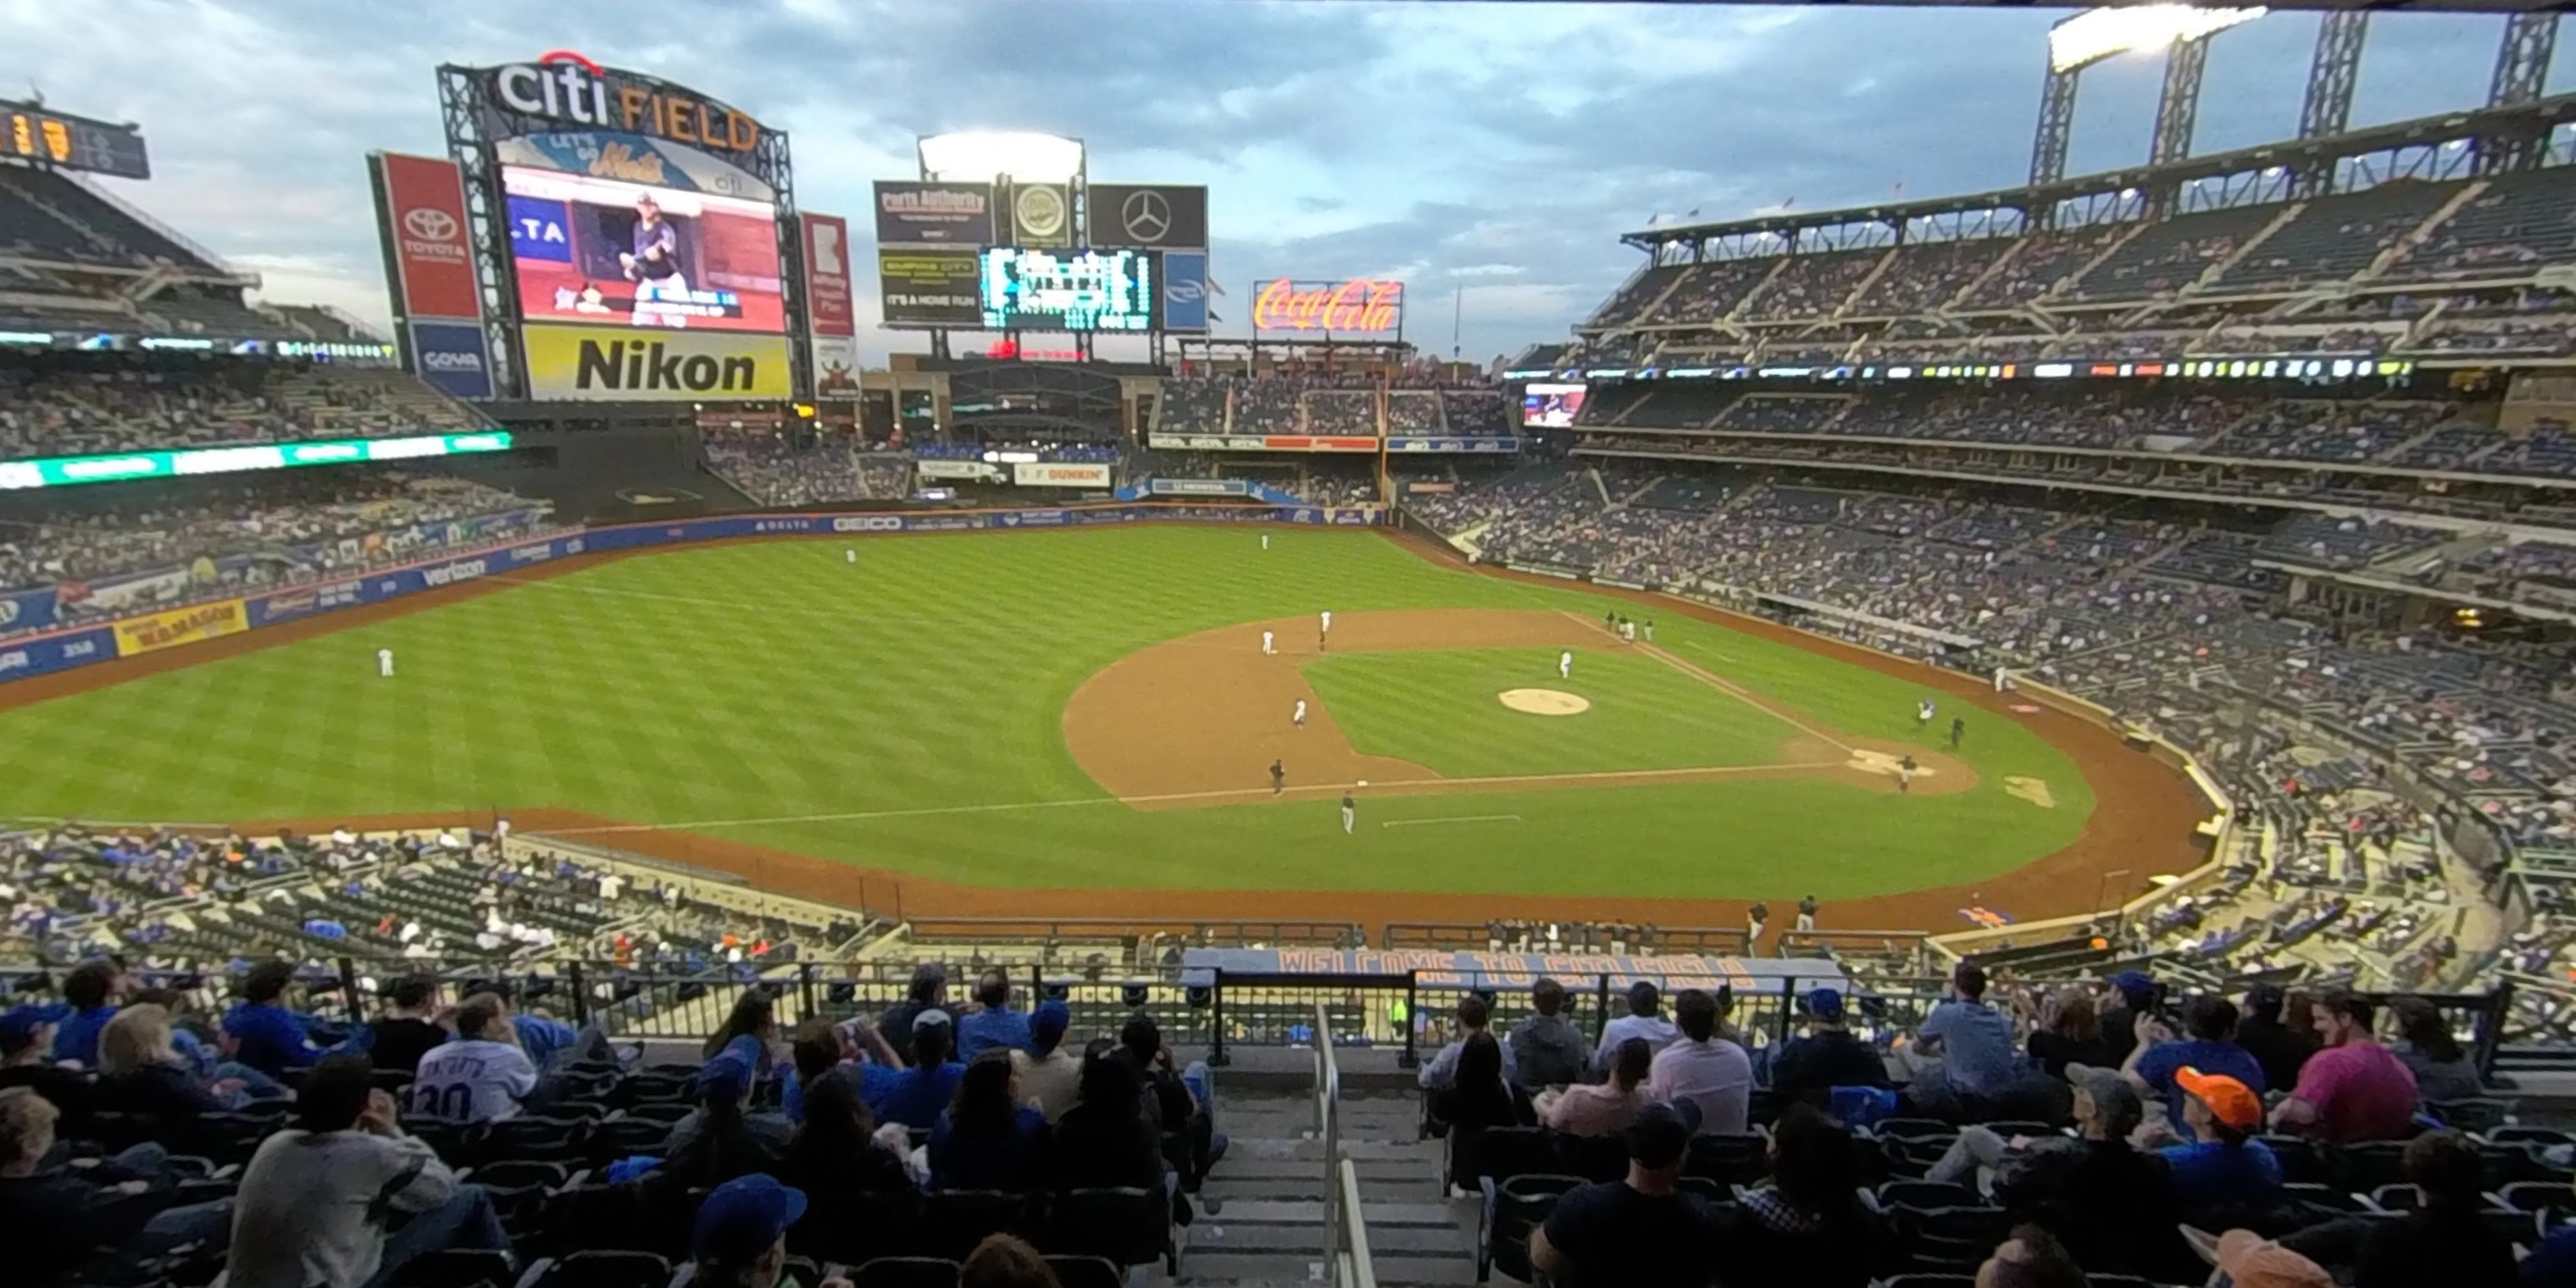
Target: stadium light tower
{"points": [[2182, 30], [987, 155]]}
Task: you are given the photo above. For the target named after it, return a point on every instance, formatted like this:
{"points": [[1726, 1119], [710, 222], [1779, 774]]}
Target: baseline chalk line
{"points": [[1462, 818]]}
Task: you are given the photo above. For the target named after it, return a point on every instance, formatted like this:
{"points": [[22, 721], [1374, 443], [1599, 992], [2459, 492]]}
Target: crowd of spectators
{"points": [[777, 470], [78, 404]]}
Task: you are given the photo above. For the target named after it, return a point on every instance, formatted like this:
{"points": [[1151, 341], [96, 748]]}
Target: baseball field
{"points": [[1083, 722]]}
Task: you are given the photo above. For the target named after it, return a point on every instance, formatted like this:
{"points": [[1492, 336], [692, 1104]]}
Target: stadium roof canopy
{"points": [[2375, 6], [2535, 118]]}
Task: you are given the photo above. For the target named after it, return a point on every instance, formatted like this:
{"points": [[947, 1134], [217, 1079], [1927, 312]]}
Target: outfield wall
{"points": [[174, 627]]}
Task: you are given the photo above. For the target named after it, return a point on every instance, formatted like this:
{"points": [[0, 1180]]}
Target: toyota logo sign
{"points": [[429, 224], [1147, 215]]}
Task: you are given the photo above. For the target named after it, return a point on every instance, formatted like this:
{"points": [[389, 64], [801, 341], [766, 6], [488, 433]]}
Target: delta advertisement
{"points": [[165, 628]]}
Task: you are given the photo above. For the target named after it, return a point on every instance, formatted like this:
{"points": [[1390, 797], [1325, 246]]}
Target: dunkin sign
{"points": [[1356, 304]]}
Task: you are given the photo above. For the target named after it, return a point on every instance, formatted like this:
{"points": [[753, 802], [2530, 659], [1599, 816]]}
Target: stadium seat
{"points": [[1511, 1209], [954, 1221], [1924, 1196], [626, 1138], [1950, 1238], [840, 1227], [1729, 1160], [905, 1272], [2557, 1200], [606, 1268], [2477, 1116], [2364, 1166], [1085, 1272], [457, 1268], [2301, 1164], [1131, 1227]]}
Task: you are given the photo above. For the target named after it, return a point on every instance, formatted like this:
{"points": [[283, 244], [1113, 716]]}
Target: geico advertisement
{"points": [[644, 364]]}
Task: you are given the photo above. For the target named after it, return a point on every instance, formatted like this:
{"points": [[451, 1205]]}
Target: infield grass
{"points": [[905, 713], [1440, 709]]}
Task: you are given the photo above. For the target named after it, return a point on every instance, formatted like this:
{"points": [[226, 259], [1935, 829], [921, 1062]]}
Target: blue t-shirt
{"points": [[913, 1097], [985, 1160], [77, 1038], [269, 1037], [2210, 1174], [2165, 1059], [985, 1030], [541, 1038], [1976, 1045], [2553, 1263]]}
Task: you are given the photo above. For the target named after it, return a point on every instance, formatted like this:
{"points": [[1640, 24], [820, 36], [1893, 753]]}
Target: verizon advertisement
{"points": [[827, 275], [1060, 474], [423, 204]]}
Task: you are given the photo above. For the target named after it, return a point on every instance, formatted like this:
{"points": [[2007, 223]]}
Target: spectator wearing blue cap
{"points": [[1050, 1076], [741, 1235], [26, 1035], [721, 1139], [1809, 1068], [992, 1023], [915, 1097]]}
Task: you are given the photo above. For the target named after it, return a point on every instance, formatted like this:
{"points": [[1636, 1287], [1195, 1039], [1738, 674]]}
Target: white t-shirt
{"points": [[472, 1081]]}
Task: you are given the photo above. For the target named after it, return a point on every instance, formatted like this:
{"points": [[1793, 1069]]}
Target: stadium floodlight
{"points": [[985, 155], [2096, 34]]}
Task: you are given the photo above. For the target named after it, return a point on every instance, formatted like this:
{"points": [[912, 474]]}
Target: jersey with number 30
{"points": [[472, 1081]]}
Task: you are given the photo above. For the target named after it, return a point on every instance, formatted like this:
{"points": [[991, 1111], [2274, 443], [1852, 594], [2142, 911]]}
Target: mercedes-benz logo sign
{"points": [[1041, 211], [429, 224], [1147, 214]]}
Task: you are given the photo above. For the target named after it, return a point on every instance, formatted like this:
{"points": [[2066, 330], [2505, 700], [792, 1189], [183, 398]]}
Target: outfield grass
{"points": [[1438, 709], [905, 713]]}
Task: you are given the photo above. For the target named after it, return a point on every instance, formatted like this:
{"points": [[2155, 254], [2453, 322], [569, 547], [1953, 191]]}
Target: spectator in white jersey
{"points": [[480, 1077]]}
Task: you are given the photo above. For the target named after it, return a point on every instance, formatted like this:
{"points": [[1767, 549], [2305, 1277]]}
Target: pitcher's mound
{"points": [[1544, 702], [1879, 762]]}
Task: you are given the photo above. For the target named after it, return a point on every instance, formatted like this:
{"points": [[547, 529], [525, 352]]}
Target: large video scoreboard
{"points": [[72, 142], [1068, 290]]}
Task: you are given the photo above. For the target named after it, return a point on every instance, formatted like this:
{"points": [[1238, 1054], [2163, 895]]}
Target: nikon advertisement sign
{"points": [[654, 364]]}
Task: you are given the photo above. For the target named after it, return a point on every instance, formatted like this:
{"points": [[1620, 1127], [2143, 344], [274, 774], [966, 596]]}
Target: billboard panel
{"points": [[621, 364], [1042, 214], [1154, 216], [450, 356], [1185, 290], [592, 250], [929, 287], [941, 214], [424, 202], [1352, 306], [1092, 290], [828, 302], [564, 90], [1059, 474], [836, 366]]}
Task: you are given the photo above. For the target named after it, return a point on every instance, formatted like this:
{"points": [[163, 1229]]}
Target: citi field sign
{"points": [[566, 87], [1357, 304]]}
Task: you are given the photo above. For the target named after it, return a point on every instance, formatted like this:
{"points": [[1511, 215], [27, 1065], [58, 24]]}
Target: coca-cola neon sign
{"points": [[1358, 304]]}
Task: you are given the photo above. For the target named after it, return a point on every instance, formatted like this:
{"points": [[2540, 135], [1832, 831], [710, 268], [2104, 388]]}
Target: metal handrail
{"points": [[1328, 1125], [1357, 1268]]}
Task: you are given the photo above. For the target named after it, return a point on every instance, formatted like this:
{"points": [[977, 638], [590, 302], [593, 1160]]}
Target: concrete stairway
{"points": [[1269, 1231]]}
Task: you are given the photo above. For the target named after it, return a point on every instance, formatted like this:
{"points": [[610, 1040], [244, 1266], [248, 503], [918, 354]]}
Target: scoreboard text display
{"points": [[72, 142], [1091, 290]]}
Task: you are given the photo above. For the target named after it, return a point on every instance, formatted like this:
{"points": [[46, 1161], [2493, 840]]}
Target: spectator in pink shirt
{"points": [[2353, 1089], [1606, 1108]]}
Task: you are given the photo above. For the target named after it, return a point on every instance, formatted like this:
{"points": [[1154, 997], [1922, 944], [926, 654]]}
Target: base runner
{"points": [[1350, 813]]}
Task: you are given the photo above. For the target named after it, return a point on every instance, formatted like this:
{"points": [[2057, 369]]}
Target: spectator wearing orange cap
{"points": [[2223, 1166]]}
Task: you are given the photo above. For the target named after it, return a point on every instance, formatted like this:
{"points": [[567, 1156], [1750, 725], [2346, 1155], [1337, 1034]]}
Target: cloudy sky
{"points": [[1498, 148]]}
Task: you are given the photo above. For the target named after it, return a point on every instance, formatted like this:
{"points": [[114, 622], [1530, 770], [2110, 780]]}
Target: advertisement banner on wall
{"points": [[1185, 290], [1152, 216], [972, 471], [911, 213], [930, 287], [290, 604], [654, 364], [423, 203], [1041, 215], [155, 631], [451, 358], [1201, 487], [1060, 474], [26, 610], [836, 366], [828, 301], [43, 656]]}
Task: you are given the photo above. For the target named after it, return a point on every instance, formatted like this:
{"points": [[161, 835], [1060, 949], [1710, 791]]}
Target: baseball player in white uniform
{"points": [[1350, 813], [1266, 649], [851, 555], [1565, 665], [1300, 717], [1324, 633], [1265, 541], [385, 663], [1923, 712]]}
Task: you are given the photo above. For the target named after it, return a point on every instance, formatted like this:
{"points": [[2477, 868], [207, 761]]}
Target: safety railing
{"points": [[1346, 1247], [1352, 1265]]}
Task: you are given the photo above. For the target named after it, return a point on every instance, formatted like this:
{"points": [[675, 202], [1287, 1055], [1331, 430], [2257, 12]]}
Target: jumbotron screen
{"points": [[1551, 406], [1084, 290], [597, 250]]}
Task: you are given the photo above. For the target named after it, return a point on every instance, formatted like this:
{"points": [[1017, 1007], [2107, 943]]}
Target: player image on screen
{"points": [[1551, 406], [597, 250]]}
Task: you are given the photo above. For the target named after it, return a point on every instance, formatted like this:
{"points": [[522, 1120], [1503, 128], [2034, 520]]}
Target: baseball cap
{"points": [[1825, 1004], [2252, 1261], [18, 1024], [745, 1217], [931, 1018], [2133, 984], [1048, 1023], [2113, 1096], [726, 1077], [2230, 1101], [1660, 1133]]}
